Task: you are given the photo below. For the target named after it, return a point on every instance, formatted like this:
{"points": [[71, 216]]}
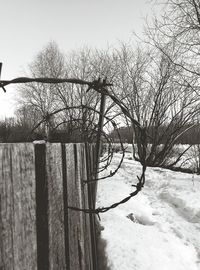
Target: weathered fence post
{"points": [[18, 248], [41, 208], [57, 259], [100, 128], [37, 229]]}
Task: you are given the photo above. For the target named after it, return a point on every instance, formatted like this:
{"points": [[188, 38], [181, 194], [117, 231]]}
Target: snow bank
{"points": [[188, 206], [157, 229]]}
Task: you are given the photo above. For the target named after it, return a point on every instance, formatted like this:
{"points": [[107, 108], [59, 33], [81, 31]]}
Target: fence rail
{"points": [[37, 229]]}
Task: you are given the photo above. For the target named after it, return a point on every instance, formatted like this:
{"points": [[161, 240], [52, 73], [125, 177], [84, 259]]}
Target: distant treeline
{"points": [[13, 131], [190, 136]]}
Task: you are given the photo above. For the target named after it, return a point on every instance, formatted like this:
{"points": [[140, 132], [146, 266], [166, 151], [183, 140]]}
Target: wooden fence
{"points": [[37, 229]]}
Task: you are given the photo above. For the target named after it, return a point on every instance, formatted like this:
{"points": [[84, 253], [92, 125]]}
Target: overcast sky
{"points": [[28, 25]]}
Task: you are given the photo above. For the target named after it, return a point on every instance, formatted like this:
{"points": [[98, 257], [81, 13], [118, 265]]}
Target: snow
{"points": [[39, 142], [158, 229]]}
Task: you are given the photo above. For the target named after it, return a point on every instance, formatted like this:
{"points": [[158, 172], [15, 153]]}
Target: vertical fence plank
{"points": [[41, 208], [72, 201], [37, 230], [80, 192], [17, 187], [87, 231], [76, 221], [65, 207], [24, 206], [6, 209], [91, 173], [79, 234], [55, 212]]}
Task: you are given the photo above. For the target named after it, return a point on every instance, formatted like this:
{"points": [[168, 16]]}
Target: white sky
{"points": [[28, 25]]}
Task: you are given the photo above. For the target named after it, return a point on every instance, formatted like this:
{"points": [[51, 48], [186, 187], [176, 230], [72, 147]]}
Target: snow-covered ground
{"points": [[159, 229]]}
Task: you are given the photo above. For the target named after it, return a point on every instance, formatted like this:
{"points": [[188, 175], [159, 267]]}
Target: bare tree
{"points": [[40, 99], [158, 97], [177, 31], [72, 100]]}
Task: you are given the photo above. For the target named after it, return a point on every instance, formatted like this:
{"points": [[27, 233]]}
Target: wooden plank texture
{"points": [[80, 192], [42, 225], [91, 174], [75, 198], [6, 210], [55, 211], [17, 215], [37, 229], [73, 216], [87, 232]]}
